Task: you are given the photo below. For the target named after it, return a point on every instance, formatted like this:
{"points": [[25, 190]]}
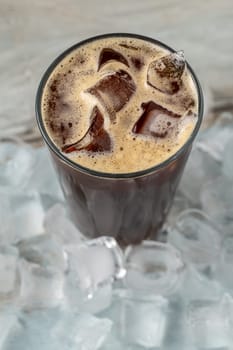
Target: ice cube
{"points": [[175, 328], [28, 215], [55, 329], [9, 274], [16, 165], [165, 74], [58, 225], [213, 140], [141, 320], [114, 91], [200, 169], [43, 250], [40, 287], [108, 54], [196, 236], [22, 215], [76, 300], [85, 273], [155, 120], [209, 323], [216, 199], [82, 332], [224, 268], [43, 178], [96, 139], [145, 323], [196, 285], [153, 267]]}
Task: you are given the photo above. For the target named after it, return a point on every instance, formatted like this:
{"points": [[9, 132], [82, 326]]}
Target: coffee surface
{"points": [[120, 105]]}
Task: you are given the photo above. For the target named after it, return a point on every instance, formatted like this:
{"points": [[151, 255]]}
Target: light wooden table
{"points": [[33, 32]]}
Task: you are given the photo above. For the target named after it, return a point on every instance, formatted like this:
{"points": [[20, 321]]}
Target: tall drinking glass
{"points": [[130, 206]]}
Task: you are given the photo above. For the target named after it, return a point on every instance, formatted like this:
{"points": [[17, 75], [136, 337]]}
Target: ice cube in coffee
{"points": [[165, 73], [155, 121], [96, 138], [114, 91], [121, 107], [108, 54]]}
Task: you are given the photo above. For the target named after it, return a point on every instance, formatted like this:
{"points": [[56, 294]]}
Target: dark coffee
{"points": [[119, 113]]}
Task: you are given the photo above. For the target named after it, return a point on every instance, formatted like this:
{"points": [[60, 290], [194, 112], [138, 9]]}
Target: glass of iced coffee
{"points": [[119, 113]]}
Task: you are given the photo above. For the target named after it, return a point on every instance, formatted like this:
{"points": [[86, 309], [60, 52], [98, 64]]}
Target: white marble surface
{"points": [[33, 32]]}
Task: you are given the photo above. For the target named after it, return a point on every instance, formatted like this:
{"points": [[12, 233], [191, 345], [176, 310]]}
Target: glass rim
{"points": [[96, 173]]}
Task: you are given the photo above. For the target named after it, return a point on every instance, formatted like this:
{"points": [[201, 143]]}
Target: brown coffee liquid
{"points": [[120, 105]]}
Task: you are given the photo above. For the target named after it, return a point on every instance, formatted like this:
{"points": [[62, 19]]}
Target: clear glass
{"points": [[130, 207]]}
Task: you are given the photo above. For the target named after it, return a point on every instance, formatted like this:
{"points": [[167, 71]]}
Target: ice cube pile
{"points": [[59, 290]]}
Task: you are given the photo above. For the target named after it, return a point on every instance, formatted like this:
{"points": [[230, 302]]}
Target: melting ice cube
{"points": [[114, 91], [96, 139], [165, 74]]}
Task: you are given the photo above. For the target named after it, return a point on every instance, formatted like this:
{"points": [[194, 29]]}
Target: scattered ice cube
{"points": [[86, 273], [196, 237], [43, 250], [76, 300], [22, 215], [165, 74], [209, 324], [153, 267], [40, 287], [155, 120], [108, 54], [146, 323], [16, 165], [213, 140], [200, 169], [217, 199], [57, 224], [44, 178], [142, 319], [83, 331], [196, 285], [114, 91], [96, 139], [9, 274], [175, 333], [28, 215], [55, 329]]}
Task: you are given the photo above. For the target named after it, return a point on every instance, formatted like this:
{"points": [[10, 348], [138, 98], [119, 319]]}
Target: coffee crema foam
{"points": [[117, 96]]}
